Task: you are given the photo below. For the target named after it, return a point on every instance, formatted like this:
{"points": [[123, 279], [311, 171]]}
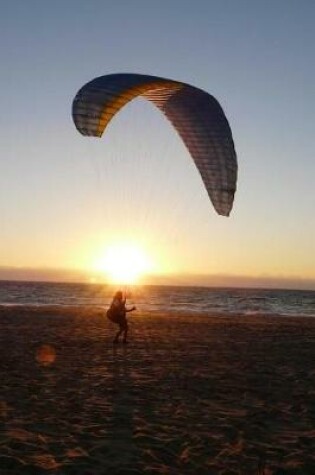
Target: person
{"points": [[117, 314]]}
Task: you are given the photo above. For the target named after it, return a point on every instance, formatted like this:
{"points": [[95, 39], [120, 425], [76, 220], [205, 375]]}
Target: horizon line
{"points": [[76, 276]]}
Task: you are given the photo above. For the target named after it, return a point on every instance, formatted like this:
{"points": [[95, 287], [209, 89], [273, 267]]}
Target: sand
{"points": [[188, 395]]}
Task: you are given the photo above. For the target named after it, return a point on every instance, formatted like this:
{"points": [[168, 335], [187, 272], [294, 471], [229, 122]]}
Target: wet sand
{"points": [[188, 395]]}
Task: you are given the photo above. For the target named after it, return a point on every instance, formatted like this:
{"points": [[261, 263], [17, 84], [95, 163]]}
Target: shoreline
{"points": [[100, 310], [189, 394]]}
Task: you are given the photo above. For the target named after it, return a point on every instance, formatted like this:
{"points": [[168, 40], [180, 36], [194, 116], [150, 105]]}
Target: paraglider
{"points": [[196, 115]]}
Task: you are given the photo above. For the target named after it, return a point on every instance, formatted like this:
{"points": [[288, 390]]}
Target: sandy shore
{"points": [[202, 395]]}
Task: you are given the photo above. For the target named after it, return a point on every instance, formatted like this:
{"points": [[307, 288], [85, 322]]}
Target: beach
{"points": [[189, 394]]}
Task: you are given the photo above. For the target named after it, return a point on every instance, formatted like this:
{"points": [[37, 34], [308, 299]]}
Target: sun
{"points": [[124, 263]]}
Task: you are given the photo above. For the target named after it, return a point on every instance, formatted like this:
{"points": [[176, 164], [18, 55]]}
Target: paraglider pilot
{"points": [[117, 314]]}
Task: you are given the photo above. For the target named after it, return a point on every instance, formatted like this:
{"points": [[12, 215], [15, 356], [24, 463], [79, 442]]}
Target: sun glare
{"points": [[124, 263]]}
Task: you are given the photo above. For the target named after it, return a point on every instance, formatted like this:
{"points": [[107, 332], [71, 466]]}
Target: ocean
{"points": [[162, 299]]}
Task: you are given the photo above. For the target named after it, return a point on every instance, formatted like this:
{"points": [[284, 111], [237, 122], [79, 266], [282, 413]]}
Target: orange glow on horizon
{"points": [[124, 263]]}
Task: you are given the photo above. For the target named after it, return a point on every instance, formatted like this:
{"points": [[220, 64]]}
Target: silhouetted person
{"points": [[117, 314]]}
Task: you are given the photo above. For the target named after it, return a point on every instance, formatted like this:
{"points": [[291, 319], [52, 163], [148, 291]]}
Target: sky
{"points": [[65, 198]]}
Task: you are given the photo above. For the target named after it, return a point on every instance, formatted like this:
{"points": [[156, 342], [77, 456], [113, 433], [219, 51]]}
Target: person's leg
{"points": [[121, 329], [125, 333]]}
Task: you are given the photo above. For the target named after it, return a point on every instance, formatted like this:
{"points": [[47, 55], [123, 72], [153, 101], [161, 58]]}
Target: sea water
{"points": [[162, 299]]}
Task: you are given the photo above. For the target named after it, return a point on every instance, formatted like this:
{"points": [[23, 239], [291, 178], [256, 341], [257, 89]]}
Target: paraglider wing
{"points": [[196, 115]]}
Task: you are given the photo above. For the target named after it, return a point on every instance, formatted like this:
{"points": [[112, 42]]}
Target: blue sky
{"points": [[59, 191]]}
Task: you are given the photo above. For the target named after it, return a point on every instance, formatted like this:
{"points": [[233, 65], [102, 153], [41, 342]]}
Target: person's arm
{"points": [[130, 309]]}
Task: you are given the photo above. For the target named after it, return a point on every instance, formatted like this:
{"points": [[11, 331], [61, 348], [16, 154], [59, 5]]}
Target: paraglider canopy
{"points": [[196, 115]]}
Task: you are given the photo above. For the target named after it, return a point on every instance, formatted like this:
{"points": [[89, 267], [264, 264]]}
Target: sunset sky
{"points": [[66, 199]]}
